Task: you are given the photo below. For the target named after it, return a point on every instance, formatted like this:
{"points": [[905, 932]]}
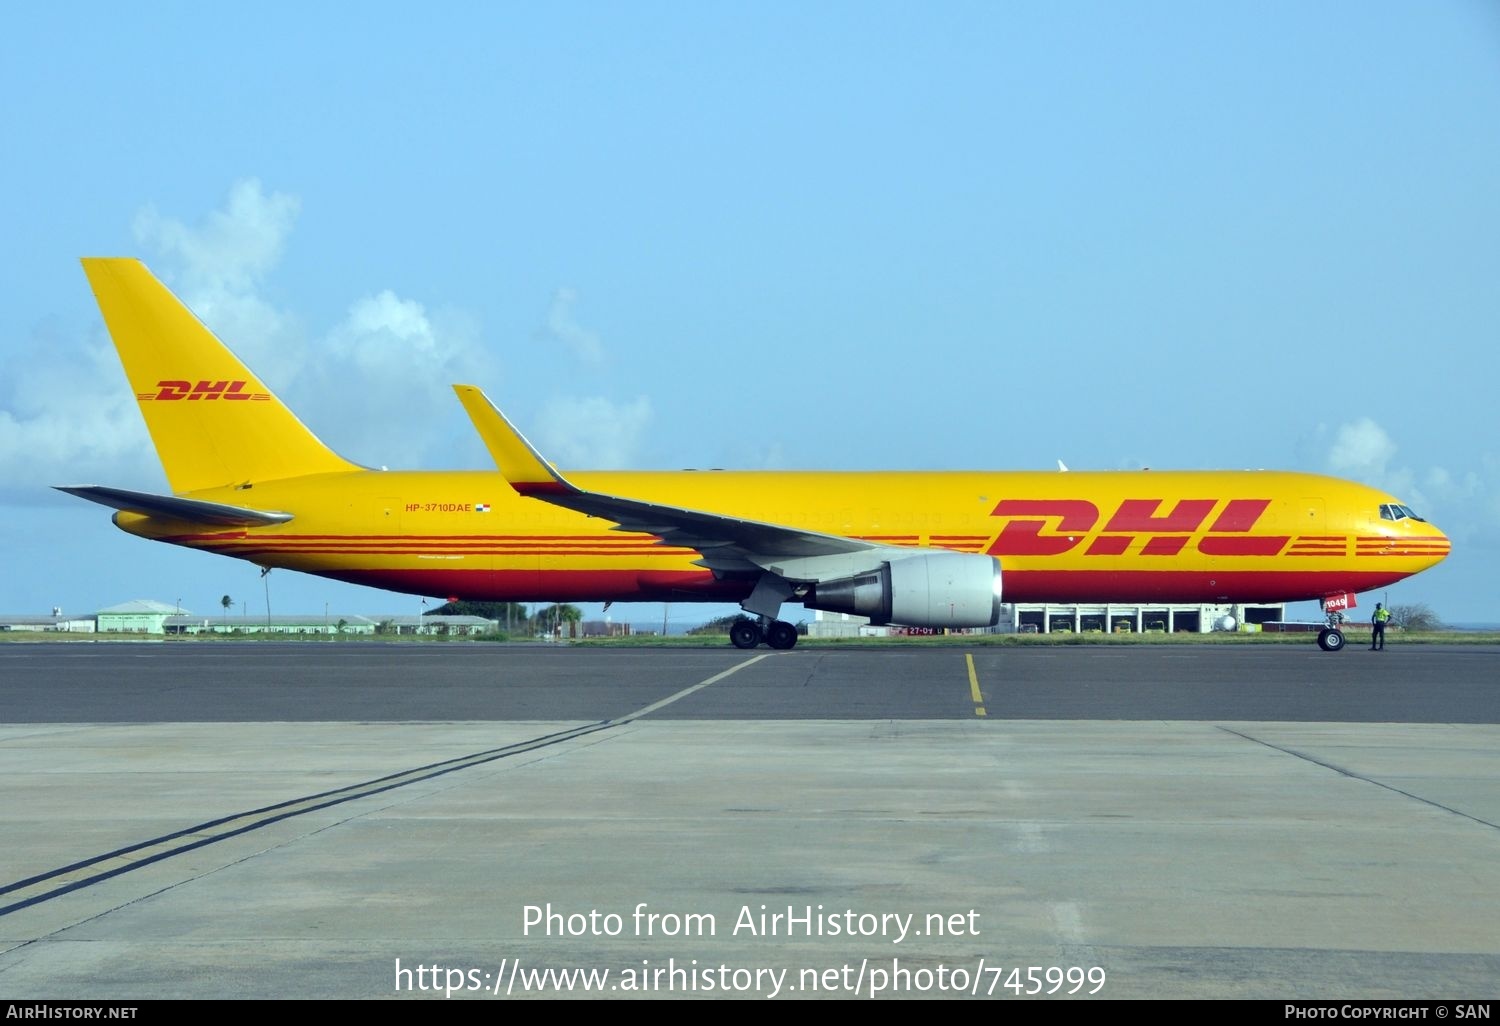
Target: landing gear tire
{"points": [[745, 634], [1330, 639], [781, 634]]}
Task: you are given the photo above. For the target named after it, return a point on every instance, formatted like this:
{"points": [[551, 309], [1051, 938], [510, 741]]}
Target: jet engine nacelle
{"points": [[939, 589]]}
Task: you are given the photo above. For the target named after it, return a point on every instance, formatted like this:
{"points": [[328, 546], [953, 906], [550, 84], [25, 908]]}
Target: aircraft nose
{"points": [[1435, 546]]}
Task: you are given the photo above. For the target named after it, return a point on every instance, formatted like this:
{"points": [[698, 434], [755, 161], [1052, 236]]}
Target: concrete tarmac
{"points": [[496, 822]]}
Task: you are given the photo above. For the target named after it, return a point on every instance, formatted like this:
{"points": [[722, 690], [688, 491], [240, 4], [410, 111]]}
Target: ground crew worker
{"points": [[1377, 628]]}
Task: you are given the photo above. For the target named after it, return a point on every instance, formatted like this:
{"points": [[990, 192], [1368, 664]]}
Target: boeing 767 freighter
{"points": [[920, 548]]}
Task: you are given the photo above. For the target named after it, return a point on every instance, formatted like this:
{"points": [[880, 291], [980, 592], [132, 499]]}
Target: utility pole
{"points": [[265, 575]]}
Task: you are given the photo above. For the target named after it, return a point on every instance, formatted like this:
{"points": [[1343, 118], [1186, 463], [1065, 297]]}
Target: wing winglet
{"points": [[524, 467], [730, 539]]}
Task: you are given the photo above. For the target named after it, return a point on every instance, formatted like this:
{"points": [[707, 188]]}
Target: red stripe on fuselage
{"points": [[1219, 545], [553, 585]]}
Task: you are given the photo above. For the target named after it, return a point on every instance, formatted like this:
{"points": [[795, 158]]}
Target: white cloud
{"points": [[376, 386], [383, 324], [592, 433], [385, 374], [234, 248], [1461, 504], [1361, 449], [70, 419], [565, 331], [72, 415], [1364, 451], [216, 269]]}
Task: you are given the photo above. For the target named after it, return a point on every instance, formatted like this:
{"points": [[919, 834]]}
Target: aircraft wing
{"points": [[173, 507], [726, 543]]}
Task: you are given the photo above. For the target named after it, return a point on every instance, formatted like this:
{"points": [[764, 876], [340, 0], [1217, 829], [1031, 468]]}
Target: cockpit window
{"points": [[1396, 511]]}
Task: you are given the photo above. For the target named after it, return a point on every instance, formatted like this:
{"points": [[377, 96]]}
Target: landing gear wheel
{"points": [[1330, 639], [745, 634], [781, 634]]}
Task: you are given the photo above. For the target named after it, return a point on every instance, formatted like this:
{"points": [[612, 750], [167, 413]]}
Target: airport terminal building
{"points": [[149, 617], [1110, 618]]}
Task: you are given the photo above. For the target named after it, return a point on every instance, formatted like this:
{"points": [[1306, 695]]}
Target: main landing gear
{"points": [[750, 633]]}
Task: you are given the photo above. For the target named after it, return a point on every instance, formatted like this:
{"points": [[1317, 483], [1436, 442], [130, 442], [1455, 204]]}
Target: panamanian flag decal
{"points": [[481, 507]]}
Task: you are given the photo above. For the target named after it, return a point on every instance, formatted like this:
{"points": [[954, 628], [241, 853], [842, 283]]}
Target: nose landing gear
{"points": [[1330, 638]]}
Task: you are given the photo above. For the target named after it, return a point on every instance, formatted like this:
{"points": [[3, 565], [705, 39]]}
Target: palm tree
{"points": [[557, 615], [227, 603]]}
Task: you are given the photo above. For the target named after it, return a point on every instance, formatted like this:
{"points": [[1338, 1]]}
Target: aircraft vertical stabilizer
{"points": [[214, 423]]}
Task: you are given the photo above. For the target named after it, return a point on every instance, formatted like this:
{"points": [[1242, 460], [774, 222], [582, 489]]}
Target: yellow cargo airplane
{"points": [[917, 548]]}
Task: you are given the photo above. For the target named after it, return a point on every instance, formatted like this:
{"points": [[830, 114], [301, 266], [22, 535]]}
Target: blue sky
{"points": [[844, 235]]}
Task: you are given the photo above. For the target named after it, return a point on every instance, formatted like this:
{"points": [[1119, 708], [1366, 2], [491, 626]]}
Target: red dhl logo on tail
{"points": [[1050, 527], [168, 391]]}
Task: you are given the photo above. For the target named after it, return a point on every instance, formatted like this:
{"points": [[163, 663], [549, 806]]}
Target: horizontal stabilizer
{"points": [[191, 510]]}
